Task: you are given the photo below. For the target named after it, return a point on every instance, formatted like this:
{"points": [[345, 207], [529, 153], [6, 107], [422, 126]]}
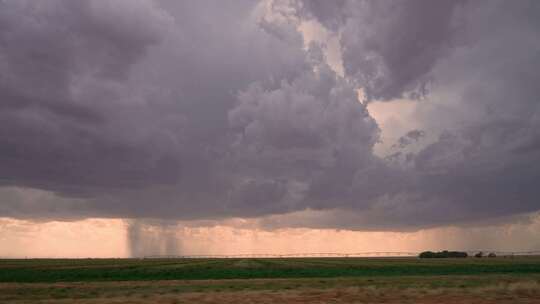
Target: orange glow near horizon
{"points": [[102, 238]]}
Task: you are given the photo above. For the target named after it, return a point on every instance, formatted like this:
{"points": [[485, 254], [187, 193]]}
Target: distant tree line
{"points": [[442, 254], [452, 254]]}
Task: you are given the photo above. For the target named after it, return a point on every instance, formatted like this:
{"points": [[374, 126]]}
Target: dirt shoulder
{"points": [[440, 289]]}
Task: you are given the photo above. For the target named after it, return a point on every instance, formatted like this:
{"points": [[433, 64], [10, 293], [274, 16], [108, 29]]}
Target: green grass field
{"points": [[338, 280], [203, 269]]}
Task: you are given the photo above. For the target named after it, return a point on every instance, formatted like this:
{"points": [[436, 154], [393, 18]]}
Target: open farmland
{"points": [[291, 280]]}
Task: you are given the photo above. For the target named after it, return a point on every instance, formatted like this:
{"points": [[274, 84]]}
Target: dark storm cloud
{"points": [[483, 101], [88, 107], [477, 165], [390, 46], [207, 109], [312, 132], [57, 60]]}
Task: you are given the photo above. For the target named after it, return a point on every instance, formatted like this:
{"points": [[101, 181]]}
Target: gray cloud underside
{"points": [[205, 109]]}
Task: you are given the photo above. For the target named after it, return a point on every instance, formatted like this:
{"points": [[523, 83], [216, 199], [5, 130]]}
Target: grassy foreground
{"points": [[295, 280]]}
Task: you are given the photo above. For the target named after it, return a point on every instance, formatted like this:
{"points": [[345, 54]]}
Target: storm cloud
{"points": [[212, 109]]}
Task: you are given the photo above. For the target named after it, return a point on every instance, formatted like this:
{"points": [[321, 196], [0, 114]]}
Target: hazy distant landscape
{"points": [[271, 280]]}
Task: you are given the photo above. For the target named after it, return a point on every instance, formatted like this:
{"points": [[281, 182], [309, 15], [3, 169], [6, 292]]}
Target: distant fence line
{"points": [[333, 254]]}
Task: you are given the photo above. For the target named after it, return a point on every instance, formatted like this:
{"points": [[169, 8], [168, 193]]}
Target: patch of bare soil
{"points": [[356, 295]]}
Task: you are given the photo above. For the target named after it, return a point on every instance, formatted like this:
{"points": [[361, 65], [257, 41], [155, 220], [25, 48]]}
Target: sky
{"points": [[140, 127]]}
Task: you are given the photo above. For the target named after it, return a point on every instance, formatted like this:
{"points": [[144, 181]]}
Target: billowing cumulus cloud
{"points": [[211, 109], [64, 66], [389, 47]]}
